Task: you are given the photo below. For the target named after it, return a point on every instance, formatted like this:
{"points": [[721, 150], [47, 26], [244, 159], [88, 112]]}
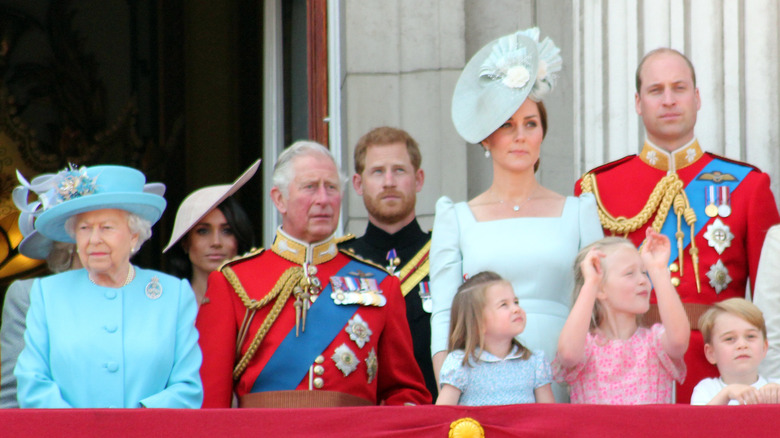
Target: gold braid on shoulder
{"points": [[282, 289], [659, 201], [667, 193]]}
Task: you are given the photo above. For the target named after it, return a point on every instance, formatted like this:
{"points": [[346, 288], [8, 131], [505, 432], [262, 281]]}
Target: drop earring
{"points": [[487, 153]]}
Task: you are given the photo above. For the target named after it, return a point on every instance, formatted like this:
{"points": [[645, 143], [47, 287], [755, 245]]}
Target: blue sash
{"points": [[695, 191], [292, 359]]}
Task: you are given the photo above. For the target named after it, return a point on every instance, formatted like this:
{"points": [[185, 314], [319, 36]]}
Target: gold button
{"points": [[318, 382], [319, 359], [675, 281], [319, 369], [673, 267]]}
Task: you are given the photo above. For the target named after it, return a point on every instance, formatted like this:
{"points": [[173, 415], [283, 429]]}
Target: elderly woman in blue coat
{"points": [[111, 334]]}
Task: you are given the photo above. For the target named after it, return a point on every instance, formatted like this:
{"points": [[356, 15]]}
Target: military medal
{"points": [[711, 209], [153, 288], [724, 209], [719, 276], [425, 296], [719, 236], [392, 261], [363, 291]]}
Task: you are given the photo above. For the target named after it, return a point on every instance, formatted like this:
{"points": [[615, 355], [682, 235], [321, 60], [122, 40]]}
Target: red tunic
{"points": [[624, 188], [398, 379]]}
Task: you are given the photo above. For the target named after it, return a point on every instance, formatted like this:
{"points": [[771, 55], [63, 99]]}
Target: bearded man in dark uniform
{"points": [[304, 324], [714, 210], [388, 177]]}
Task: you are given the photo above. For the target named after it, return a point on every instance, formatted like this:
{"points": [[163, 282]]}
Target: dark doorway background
{"points": [[171, 87]]}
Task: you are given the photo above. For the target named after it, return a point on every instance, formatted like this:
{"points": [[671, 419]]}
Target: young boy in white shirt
{"points": [[735, 341]]}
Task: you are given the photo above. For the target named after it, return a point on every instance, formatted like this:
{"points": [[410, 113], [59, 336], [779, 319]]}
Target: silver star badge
{"points": [[719, 276], [345, 359], [719, 236], [358, 330]]}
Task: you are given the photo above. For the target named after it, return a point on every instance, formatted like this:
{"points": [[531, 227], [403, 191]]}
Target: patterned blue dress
{"points": [[496, 381]]}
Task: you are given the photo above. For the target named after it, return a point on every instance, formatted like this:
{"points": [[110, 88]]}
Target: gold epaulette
{"points": [[247, 255], [344, 238], [352, 254]]}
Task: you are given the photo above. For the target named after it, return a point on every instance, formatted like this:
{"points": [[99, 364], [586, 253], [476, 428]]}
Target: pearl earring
{"points": [[487, 153]]}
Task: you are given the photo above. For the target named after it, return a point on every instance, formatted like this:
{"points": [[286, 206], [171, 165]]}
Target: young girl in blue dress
{"points": [[486, 365]]}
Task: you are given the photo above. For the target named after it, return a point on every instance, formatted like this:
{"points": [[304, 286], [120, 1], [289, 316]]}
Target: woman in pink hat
{"points": [[212, 228]]}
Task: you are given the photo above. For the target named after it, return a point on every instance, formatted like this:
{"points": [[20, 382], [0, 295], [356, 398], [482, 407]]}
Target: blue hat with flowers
{"points": [[79, 190], [498, 79]]}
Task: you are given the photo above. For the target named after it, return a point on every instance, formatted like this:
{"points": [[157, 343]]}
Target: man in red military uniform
{"points": [[303, 324], [681, 191]]}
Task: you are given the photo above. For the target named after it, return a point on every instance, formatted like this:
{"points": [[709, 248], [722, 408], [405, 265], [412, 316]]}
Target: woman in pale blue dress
{"points": [[517, 228]]}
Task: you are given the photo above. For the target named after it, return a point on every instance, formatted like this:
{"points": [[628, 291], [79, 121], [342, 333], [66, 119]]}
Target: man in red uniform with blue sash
{"points": [[304, 324], [715, 211]]}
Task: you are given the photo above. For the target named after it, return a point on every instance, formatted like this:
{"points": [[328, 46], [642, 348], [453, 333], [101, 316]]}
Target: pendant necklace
{"points": [[516, 207]]}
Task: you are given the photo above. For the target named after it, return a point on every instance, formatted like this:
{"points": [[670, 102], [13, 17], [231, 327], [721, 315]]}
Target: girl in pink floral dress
{"points": [[603, 353]]}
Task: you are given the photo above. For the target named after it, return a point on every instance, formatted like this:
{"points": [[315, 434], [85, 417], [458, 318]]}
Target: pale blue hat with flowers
{"points": [[498, 79], [79, 190], [34, 244]]}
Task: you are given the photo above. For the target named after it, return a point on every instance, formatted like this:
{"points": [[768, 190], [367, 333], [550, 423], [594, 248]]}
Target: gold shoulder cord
{"points": [[411, 279], [660, 200], [669, 191], [282, 289]]}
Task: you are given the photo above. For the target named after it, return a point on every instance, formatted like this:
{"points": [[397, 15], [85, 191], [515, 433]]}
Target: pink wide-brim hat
{"points": [[200, 203]]}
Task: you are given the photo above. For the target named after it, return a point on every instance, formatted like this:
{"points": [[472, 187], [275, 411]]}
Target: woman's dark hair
{"points": [[543, 117], [238, 220]]}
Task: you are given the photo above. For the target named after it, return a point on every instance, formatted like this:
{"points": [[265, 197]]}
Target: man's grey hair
{"points": [[283, 169], [137, 225]]}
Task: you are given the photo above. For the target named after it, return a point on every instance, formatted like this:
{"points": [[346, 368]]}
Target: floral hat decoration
{"points": [[499, 78], [77, 190], [34, 245]]}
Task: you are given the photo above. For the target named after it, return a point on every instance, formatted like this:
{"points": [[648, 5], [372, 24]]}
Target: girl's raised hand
{"points": [[655, 250], [591, 266]]}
